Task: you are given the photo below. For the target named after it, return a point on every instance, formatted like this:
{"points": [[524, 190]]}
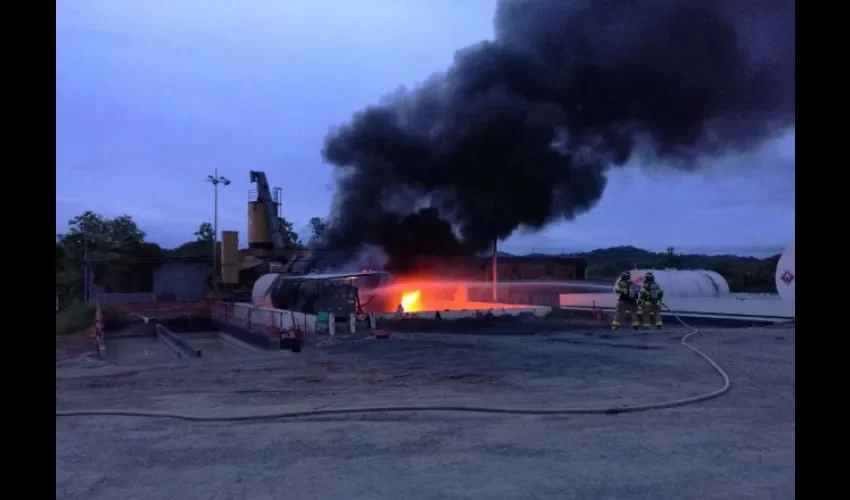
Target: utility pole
{"points": [[495, 265], [86, 269], [215, 180]]}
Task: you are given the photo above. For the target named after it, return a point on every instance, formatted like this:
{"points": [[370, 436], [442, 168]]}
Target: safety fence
{"points": [[161, 309], [262, 321], [273, 324]]}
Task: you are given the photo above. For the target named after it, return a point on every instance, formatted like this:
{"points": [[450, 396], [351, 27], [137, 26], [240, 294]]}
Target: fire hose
{"points": [[609, 410]]}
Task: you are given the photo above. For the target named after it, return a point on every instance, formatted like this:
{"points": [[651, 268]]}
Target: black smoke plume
{"points": [[521, 130]]}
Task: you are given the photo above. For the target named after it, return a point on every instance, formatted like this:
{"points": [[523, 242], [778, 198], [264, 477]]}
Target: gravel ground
{"points": [[738, 446], [213, 347], [138, 351]]}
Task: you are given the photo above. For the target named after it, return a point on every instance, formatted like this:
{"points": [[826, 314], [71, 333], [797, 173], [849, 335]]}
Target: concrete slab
{"points": [[239, 344], [138, 351], [732, 307], [177, 344], [213, 346]]}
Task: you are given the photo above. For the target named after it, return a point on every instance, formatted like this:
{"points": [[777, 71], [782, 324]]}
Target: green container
{"points": [[323, 317]]}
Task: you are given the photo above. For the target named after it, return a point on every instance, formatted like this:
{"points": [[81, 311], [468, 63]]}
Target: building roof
{"points": [[333, 276], [537, 258], [158, 260]]}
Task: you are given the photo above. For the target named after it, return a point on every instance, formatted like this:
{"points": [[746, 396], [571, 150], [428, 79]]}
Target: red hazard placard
{"points": [[787, 277]]}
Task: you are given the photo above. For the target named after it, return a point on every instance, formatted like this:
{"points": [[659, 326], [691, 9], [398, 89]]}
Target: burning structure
{"points": [[522, 131], [369, 291], [459, 283]]}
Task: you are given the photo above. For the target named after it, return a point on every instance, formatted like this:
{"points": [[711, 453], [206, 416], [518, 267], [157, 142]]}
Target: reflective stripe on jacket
{"points": [[651, 292]]}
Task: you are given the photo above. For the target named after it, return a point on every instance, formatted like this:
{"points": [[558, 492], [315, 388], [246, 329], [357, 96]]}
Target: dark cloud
{"points": [[521, 130]]}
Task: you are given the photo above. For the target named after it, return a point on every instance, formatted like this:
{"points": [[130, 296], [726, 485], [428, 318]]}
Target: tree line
{"points": [[744, 274], [92, 236], [95, 237]]}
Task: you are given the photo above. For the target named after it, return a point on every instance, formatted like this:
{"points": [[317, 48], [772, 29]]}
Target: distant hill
{"points": [[744, 274]]}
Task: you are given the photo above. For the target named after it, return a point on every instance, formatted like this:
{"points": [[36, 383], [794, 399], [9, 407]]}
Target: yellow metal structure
{"points": [[229, 257], [258, 227]]}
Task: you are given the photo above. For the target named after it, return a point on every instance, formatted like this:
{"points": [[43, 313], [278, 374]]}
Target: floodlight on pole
{"points": [[215, 180]]}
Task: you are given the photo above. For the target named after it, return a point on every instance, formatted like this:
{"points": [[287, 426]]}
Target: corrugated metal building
{"points": [[183, 281]]}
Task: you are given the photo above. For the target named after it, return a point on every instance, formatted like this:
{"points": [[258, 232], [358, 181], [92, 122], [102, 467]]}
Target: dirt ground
{"points": [[73, 345], [738, 446]]}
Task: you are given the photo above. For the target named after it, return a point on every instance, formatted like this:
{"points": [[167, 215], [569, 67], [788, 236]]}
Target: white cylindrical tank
{"points": [[262, 288], [686, 283], [786, 278]]}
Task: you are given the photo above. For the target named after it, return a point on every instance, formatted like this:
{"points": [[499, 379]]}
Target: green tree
{"points": [[96, 236], [744, 274], [290, 237], [318, 227], [201, 246], [670, 260], [60, 257], [205, 232]]}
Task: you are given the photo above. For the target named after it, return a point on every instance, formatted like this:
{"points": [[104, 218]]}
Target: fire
{"points": [[418, 294], [410, 299]]}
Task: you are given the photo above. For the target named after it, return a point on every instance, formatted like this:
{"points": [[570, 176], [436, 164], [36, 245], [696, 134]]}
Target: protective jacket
{"points": [[623, 290], [650, 294]]}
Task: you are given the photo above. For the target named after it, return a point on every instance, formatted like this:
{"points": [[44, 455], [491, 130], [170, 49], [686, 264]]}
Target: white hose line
{"points": [[610, 410]]}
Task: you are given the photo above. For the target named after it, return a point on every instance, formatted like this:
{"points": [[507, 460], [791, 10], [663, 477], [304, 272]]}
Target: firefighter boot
{"points": [[618, 315], [634, 316]]}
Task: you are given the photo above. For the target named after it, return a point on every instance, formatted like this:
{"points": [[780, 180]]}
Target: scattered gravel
{"points": [[739, 446]]}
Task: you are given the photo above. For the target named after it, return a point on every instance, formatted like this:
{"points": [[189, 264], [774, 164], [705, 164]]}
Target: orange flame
{"points": [[417, 294], [410, 300]]}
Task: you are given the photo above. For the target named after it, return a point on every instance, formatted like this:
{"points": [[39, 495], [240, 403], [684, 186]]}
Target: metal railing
{"points": [[261, 320], [162, 309]]}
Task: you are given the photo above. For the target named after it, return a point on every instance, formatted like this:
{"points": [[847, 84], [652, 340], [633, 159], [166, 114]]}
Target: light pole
{"points": [[215, 179]]}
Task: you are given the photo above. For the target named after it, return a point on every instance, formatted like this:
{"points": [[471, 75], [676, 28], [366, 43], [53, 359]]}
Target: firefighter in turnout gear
{"points": [[649, 299], [626, 299]]}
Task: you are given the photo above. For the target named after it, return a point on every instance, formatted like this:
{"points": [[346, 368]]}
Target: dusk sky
{"points": [[152, 96]]}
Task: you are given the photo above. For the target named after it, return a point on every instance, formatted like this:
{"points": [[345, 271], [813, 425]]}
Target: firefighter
{"points": [[649, 299], [625, 300], [399, 311]]}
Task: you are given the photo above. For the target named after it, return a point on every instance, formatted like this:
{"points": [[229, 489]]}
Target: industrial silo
{"points": [[258, 226], [686, 283]]}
